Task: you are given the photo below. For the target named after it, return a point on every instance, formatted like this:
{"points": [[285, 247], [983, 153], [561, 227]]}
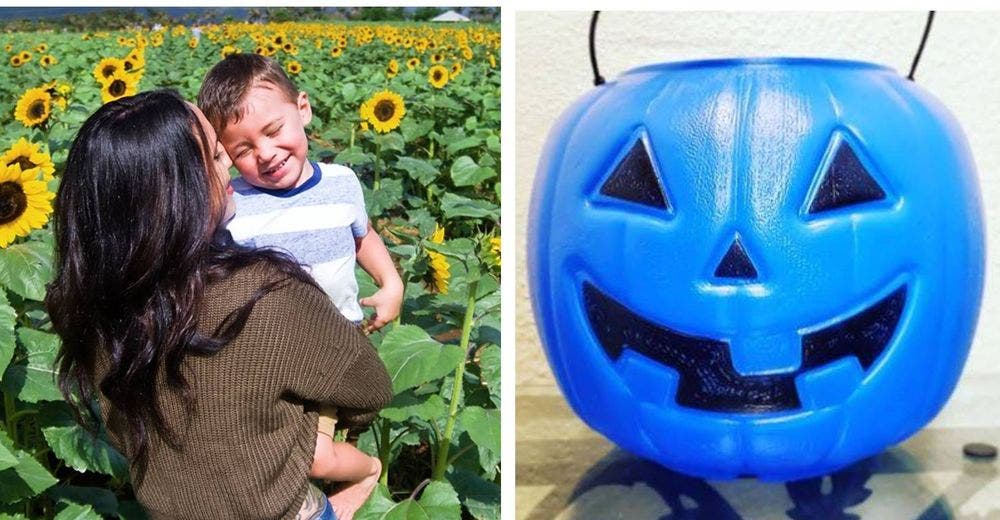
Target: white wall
{"points": [[961, 66]]}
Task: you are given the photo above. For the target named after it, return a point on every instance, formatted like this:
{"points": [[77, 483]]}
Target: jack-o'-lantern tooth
{"points": [[634, 179]]}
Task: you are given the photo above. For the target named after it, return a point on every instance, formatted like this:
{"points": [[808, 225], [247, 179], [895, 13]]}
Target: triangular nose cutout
{"points": [[736, 263]]}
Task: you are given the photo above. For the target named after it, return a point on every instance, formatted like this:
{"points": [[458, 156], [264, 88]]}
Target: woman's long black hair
{"points": [[136, 221]]}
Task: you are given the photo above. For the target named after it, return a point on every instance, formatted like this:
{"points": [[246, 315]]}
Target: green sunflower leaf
{"points": [[412, 357], [25, 268], [33, 379]]}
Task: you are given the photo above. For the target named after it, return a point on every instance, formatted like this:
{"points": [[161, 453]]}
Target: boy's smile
{"points": [[268, 144]]}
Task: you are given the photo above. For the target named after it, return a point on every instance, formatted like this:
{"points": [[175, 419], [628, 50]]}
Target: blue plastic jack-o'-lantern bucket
{"points": [[767, 267]]}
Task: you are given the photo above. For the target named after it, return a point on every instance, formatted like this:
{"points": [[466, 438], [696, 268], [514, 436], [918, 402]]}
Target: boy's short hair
{"points": [[227, 83]]}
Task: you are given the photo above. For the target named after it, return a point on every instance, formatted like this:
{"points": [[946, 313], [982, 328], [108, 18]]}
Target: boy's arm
{"points": [[375, 260]]}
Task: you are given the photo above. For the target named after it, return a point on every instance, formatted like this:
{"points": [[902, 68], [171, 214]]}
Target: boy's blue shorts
{"points": [[327, 513]]}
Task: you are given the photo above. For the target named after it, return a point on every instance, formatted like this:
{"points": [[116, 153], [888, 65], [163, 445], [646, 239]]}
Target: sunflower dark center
{"points": [[13, 202], [127, 65], [117, 88], [108, 70], [36, 110], [23, 162], [437, 75], [384, 110]]}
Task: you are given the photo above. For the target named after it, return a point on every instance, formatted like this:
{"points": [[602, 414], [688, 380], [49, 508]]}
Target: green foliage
{"points": [[439, 437], [437, 502], [413, 357]]}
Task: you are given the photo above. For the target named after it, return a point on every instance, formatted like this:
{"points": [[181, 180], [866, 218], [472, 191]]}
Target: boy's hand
{"points": [[386, 302]]}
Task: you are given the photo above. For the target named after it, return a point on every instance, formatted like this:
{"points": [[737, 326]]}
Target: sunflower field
{"points": [[414, 109]]}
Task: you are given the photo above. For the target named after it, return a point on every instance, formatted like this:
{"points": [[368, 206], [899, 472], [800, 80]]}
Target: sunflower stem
{"points": [[378, 171], [352, 137], [384, 451], [10, 411], [441, 465]]}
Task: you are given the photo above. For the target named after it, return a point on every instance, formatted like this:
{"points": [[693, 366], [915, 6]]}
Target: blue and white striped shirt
{"points": [[316, 222]]}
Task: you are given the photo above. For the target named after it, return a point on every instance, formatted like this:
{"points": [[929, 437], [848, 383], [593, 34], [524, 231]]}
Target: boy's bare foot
{"points": [[350, 498]]}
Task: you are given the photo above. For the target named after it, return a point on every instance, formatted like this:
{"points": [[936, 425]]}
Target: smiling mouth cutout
{"points": [[708, 380]]}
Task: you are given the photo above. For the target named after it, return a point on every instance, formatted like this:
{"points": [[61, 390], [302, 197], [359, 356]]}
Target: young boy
{"points": [[315, 211]]}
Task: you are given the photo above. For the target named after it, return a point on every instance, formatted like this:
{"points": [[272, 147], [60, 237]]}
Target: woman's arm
{"points": [[321, 356]]}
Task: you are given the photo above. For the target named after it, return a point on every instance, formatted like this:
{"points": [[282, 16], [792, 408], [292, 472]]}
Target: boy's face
{"points": [[268, 145]]}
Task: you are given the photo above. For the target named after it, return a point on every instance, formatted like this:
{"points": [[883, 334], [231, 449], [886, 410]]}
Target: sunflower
{"points": [[392, 69], [293, 67], [456, 69], [28, 155], [107, 68], [156, 40], [25, 56], [467, 53], [437, 57], [336, 52], [48, 60], [229, 50], [494, 252], [34, 107], [493, 61], [59, 93], [438, 76], [9, 47], [440, 268], [25, 203], [412, 63], [16, 61], [42, 48], [364, 126], [193, 43], [119, 85], [137, 57], [384, 111]]}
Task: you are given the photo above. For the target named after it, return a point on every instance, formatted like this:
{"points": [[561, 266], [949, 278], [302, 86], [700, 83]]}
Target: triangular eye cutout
{"points": [[634, 180], [845, 182], [736, 263]]}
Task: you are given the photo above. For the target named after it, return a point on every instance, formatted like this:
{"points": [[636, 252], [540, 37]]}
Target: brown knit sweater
{"points": [[247, 448]]}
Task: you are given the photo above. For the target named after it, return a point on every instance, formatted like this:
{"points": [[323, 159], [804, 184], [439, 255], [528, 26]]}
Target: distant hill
{"points": [[34, 13], [103, 18]]}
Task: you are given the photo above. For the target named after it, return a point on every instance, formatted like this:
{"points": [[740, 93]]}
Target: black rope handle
{"points": [[920, 50], [599, 80]]}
